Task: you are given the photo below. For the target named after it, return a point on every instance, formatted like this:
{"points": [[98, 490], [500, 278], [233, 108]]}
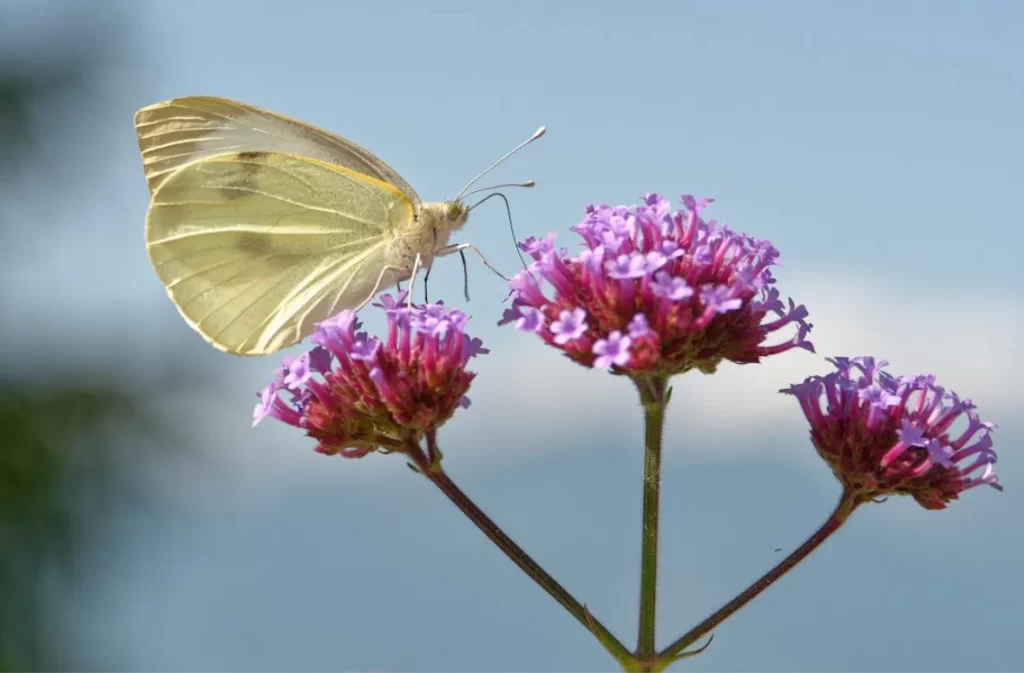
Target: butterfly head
{"points": [[455, 214], [443, 218]]}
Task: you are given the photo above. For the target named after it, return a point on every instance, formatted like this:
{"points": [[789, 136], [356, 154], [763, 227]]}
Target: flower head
{"points": [[654, 292], [355, 393], [886, 435]]}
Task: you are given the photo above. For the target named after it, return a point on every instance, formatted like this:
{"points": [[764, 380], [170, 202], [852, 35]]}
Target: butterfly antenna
{"points": [[528, 183], [536, 134], [508, 209]]}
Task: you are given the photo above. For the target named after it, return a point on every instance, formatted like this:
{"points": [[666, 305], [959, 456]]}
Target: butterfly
{"points": [[260, 226]]}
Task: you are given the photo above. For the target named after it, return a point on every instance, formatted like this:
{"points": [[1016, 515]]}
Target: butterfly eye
{"points": [[455, 210]]}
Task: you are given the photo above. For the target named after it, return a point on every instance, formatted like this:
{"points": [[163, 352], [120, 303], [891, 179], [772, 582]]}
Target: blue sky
{"points": [[876, 144]]}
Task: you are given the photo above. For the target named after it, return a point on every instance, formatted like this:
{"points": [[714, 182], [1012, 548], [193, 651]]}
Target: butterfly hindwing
{"points": [[254, 247]]}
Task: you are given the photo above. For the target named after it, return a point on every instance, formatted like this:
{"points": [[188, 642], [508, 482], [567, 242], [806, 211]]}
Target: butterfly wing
{"points": [[179, 131], [255, 247]]}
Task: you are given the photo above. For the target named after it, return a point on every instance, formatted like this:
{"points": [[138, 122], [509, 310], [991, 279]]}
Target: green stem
{"points": [[847, 503], [515, 553], [652, 395]]}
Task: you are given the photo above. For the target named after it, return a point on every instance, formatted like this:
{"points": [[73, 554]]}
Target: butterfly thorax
{"points": [[436, 221]]}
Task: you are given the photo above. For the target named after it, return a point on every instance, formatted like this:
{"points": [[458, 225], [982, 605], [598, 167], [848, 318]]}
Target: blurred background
{"points": [[145, 526]]}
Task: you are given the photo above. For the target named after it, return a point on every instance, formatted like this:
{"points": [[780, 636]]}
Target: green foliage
{"points": [[57, 472]]}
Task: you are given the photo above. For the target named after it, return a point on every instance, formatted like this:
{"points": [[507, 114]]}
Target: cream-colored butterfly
{"points": [[261, 225]]}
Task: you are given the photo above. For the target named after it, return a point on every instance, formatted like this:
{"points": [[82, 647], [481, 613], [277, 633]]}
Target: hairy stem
{"points": [[652, 395]]}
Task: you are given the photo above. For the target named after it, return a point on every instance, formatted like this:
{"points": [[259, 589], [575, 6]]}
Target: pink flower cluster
{"points": [[355, 393], [887, 435], [654, 292]]}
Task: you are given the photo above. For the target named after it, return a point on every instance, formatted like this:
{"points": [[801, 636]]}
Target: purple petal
{"points": [[570, 325], [365, 349], [718, 299], [510, 315], [320, 360], [472, 347], [638, 326], [612, 351], [670, 287], [531, 320], [266, 403], [298, 371]]}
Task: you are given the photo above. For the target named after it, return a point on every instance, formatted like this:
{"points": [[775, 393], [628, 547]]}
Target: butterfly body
{"points": [[429, 233]]}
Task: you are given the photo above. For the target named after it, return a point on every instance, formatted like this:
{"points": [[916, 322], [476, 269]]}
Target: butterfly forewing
{"points": [[255, 247], [183, 130]]}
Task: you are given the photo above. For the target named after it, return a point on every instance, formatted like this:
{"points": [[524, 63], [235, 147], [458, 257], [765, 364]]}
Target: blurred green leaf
{"points": [[59, 67], [58, 469], [17, 88]]}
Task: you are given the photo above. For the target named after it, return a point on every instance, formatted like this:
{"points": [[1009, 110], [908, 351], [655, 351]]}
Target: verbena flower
{"points": [[355, 393], [654, 292], [887, 435]]}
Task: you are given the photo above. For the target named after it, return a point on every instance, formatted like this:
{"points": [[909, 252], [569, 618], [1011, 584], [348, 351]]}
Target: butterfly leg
{"points": [[426, 280], [465, 276], [380, 280], [416, 264], [459, 247]]}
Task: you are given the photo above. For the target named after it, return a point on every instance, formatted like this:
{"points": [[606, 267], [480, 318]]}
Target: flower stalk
{"points": [[433, 471], [677, 650], [654, 400]]}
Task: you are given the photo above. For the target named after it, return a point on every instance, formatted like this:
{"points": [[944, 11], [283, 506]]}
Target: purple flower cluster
{"points": [[654, 292], [355, 393], [886, 435]]}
